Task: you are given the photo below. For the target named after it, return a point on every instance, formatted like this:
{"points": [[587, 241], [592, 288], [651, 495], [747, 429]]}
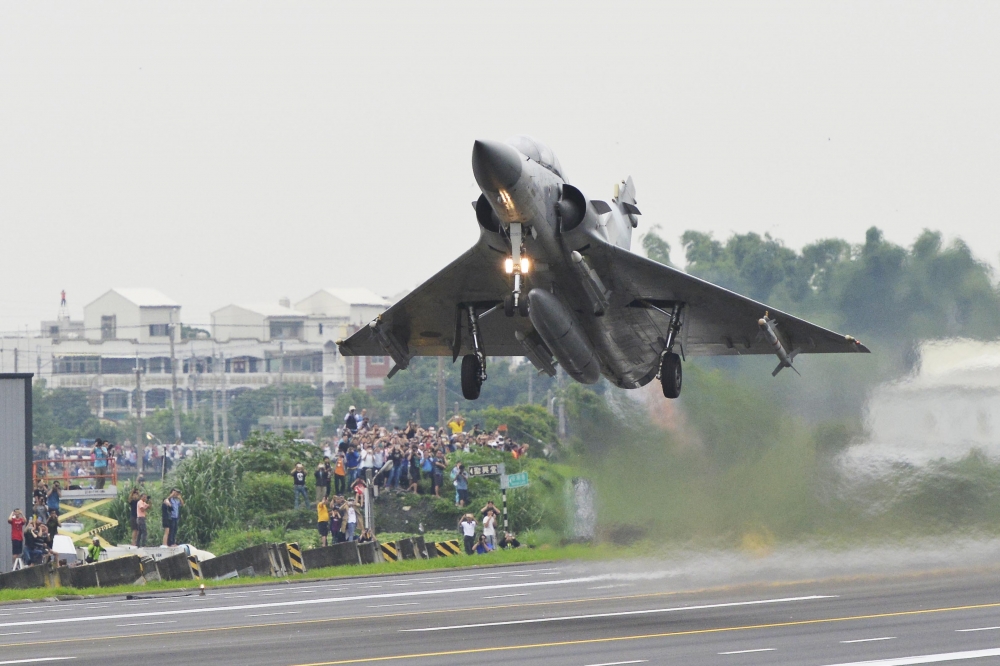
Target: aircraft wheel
{"points": [[471, 384], [670, 376], [508, 305], [522, 305]]}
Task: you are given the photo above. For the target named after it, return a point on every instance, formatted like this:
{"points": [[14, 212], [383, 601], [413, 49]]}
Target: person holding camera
{"points": [[17, 521]]}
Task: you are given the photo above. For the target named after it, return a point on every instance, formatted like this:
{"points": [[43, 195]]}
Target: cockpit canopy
{"points": [[537, 151]]}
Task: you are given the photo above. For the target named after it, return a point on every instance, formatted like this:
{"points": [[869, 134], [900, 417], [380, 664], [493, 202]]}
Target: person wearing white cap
{"points": [[351, 420]]}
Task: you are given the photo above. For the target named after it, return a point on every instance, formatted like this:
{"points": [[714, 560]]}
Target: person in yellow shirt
{"points": [[322, 520], [457, 424]]}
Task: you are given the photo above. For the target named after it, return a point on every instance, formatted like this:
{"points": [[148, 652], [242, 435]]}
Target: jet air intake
{"points": [[564, 337], [574, 209]]}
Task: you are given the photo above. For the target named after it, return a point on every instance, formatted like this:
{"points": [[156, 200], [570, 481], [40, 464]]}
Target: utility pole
{"points": [[562, 403], [194, 389], [173, 383], [15, 360], [279, 425], [531, 385], [441, 404], [215, 400], [141, 462], [225, 406]]}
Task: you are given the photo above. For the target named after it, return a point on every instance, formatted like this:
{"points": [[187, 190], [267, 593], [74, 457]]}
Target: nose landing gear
{"points": [[517, 265]]}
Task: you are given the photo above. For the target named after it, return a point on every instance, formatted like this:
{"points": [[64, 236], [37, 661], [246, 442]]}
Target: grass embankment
{"points": [[575, 552]]}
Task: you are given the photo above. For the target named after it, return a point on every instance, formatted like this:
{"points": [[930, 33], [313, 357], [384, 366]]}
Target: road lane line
{"points": [[36, 660], [621, 663], [977, 629], [304, 602], [926, 658], [406, 603], [869, 640], [748, 651], [142, 624], [278, 613], [20, 633], [590, 616], [504, 596]]}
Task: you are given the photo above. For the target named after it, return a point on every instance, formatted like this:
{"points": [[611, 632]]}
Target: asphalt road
{"points": [[561, 614]]}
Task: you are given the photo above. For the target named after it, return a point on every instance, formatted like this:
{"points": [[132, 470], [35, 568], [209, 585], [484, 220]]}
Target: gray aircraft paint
{"points": [[580, 250]]}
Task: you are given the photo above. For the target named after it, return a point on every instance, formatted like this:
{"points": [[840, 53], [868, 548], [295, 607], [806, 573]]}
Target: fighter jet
{"points": [[553, 279]]}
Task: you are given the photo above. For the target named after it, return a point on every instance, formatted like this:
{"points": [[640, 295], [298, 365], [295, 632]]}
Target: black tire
{"points": [[470, 377], [508, 305], [671, 376], [522, 305]]}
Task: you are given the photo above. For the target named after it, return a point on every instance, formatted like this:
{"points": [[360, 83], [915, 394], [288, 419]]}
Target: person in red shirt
{"points": [[17, 521]]}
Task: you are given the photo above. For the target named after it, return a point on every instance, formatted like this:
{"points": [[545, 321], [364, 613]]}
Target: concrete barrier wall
{"points": [[175, 567], [119, 571], [255, 557], [338, 554], [429, 549], [23, 579], [420, 547], [83, 576], [370, 552], [406, 549]]}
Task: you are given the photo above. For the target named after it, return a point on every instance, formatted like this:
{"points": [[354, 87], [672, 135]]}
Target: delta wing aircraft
{"points": [[552, 278]]}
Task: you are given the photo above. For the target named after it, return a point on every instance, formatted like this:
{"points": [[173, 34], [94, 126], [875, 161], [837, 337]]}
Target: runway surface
{"points": [[568, 614]]}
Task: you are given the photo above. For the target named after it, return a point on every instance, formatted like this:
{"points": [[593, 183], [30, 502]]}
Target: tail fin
{"points": [[625, 198]]}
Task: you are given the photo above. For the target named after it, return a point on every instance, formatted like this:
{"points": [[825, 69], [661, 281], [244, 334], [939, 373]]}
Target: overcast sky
{"points": [[239, 152]]}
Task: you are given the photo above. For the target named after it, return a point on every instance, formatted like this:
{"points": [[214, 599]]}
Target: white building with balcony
{"points": [[143, 315]]}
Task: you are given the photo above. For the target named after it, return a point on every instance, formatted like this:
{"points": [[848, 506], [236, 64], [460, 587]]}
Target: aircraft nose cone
{"points": [[496, 165]]}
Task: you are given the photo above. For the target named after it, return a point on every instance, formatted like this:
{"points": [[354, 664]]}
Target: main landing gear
{"points": [[473, 365], [670, 374]]}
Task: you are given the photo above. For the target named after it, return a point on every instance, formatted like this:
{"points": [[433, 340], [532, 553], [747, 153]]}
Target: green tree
{"points": [[248, 407], [655, 246]]}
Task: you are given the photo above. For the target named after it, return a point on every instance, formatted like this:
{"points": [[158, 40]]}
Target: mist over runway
{"points": [[915, 603]]}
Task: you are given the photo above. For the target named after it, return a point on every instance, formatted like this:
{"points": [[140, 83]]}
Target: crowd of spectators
{"points": [[395, 460], [31, 538], [83, 459]]}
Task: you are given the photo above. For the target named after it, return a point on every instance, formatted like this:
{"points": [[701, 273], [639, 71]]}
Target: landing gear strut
{"points": [[518, 265], [670, 374], [473, 365]]}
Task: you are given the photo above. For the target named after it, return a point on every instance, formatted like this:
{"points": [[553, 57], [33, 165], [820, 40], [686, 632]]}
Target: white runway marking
{"points": [[869, 640], [620, 663], [749, 651], [142, 624], [504, 596], [926, 658], [977, 629], [278, 613], [304, 602], [589, 616], [35, 660]]}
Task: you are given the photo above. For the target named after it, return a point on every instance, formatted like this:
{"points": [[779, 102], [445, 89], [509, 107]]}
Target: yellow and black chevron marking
{"points": [[195, 566], [448, 548], [389, 551], [295, 557]]}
